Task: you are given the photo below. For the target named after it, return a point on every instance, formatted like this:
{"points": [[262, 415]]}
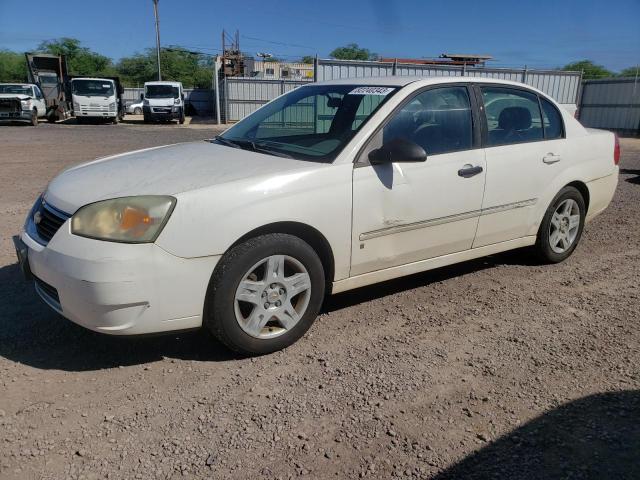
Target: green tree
{"points": [[307, 59], [590, 69], [352, 52], [177, 64], [630, 72], [13, 67], [80, 60]]}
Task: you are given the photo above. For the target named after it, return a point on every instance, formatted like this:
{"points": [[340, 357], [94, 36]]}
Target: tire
{"points": [[34, 117], [137, 111], [115, 120], [558, 236], [181, 119], [229, 319], [80, 121], [146, 119]]}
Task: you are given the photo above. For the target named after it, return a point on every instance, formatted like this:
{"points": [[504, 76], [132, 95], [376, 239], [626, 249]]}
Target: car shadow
{"points": [[628, 171], [410, 282], [32, 334], [595, 437]]}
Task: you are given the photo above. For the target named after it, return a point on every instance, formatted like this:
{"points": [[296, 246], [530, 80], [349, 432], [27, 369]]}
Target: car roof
{"points": [[19, 84], [162, 82], [93, 78], [401, 81]]}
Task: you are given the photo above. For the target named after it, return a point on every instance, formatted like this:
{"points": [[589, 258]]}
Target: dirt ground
{"points": [[495, 368]]}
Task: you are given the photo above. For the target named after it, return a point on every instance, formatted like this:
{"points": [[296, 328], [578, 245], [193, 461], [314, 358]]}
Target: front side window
{"points": [[92, 88], [269, 71], [513, 116], [313, 122], [439, 120], [552, 120]]}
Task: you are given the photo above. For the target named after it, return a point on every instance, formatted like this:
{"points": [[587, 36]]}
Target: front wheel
{"points": [[34, 117], [561, 226], [265, 294], [181, 119]]}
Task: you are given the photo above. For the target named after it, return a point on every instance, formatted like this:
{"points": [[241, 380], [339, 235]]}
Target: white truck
{"points": [[21, 102], [163, 101], [97, 99]]}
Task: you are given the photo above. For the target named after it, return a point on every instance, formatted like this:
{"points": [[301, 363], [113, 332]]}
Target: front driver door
{"points": [[407, 212]]}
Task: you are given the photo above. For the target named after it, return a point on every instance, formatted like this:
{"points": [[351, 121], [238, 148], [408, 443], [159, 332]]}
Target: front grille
{"points": [[48, 220], [47, 290], [9, 106]]}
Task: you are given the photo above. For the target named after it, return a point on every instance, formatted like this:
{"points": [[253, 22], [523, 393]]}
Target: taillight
{"points": [[616, 150]]}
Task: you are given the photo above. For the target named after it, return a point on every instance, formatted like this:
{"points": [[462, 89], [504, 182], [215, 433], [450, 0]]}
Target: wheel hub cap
{"points": [[272, 297], [564, 226]]}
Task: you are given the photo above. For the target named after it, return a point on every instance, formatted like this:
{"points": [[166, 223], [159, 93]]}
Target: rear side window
{"points": [[439, 120], [513, 116], [552, 120]]}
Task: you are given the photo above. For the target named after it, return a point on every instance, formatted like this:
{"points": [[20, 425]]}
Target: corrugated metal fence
{"points": [[198, 101], [242, 96], [560, 85], [612, 104]]}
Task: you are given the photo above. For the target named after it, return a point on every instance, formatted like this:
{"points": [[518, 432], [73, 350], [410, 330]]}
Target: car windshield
{"points": [[92, 88], [49, 79], [16, 89], [161, 91], [313, 122]]}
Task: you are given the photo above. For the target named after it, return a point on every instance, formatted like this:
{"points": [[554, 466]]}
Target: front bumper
{"points": [[19, 116], [116, 288], [162, 113]]}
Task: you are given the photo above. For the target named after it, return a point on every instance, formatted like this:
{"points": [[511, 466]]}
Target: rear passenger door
{"points": [[524, 146], [408, 212]]}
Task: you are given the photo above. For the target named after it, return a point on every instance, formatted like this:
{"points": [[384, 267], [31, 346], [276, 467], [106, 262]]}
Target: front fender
{"points": [[209, 220]]}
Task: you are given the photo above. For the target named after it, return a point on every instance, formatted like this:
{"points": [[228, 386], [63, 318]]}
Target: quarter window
{"points": [[513, 116], [439, 120], [552, 120]]}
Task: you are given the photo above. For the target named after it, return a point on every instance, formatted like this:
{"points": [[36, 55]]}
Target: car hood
{"points": [[167, 170], [19, 96]]}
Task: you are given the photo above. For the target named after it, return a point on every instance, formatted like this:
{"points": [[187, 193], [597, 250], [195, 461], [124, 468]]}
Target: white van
{"points": [[96, 98], [163, 101]]}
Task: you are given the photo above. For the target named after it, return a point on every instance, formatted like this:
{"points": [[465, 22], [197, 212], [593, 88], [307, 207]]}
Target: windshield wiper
{"points": [[259, 147], [228, 143]]}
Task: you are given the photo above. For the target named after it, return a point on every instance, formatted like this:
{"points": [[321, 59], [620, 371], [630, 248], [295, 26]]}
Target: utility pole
{"points": [[155, 11]]}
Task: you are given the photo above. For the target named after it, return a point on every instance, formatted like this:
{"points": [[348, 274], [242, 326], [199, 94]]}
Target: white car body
{"points": [[419, 217], [163, 108], [133, 107], [28, 103], [95, 106]]}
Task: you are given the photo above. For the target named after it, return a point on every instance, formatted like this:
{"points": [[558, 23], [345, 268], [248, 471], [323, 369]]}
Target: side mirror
{"points": [[398, 150], [142, 96], [183, 96]]}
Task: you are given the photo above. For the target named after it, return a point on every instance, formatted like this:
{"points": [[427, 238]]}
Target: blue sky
{"points": [[540, 34]]}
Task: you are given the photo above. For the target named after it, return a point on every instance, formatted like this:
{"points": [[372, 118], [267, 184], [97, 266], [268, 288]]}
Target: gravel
{"points": [[495, 368]]}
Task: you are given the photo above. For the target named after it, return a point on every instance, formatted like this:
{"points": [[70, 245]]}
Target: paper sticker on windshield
{"points": [[105, 85], [371, 91]]}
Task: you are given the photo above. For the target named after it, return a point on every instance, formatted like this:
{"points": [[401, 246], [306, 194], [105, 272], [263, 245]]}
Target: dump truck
{"points": [[49, 73]]}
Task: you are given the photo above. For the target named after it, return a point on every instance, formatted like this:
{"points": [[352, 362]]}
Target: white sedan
{"points": [[331, 187]]}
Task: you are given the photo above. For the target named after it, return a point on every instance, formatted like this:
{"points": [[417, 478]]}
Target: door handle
{"points": [[550, 158], [469, 171]]}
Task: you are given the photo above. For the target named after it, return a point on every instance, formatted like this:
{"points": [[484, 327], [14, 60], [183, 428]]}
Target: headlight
{"points": [[112, 106], [26, 104], [76, 106], [176, 101], [145, 102], [126, 219]]}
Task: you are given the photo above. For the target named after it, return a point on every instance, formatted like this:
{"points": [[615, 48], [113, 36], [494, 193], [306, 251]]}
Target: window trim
{"points": [[483, 118], [476, 143], [544, 133]]}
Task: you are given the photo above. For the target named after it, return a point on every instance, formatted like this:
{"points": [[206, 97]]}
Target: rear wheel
{"points": [[561, 227], [137, 111], [265, 294], [34, 117]]}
